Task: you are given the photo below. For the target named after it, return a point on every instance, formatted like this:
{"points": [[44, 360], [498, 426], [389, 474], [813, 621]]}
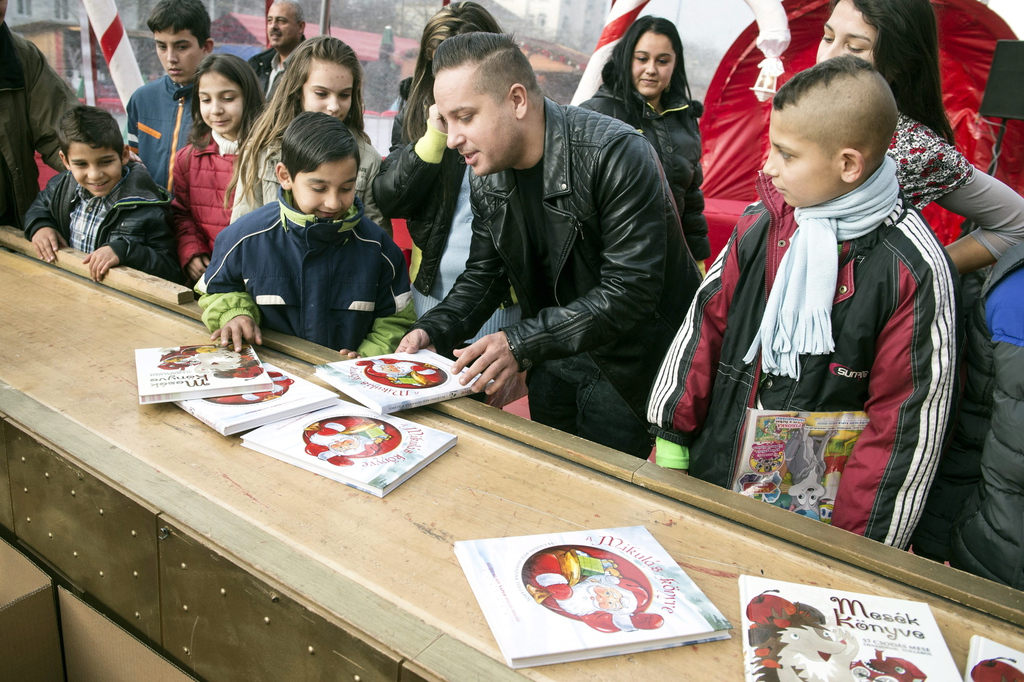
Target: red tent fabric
{"points": [[735, 125]]}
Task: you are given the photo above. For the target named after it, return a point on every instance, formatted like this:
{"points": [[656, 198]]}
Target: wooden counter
{"points": [[246, 554]]}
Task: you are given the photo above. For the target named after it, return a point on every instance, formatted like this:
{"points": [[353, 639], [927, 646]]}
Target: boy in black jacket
{"points": [[102, 205]]}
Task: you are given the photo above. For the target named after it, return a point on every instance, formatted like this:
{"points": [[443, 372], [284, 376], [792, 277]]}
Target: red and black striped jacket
{"points": [[897, 343]]}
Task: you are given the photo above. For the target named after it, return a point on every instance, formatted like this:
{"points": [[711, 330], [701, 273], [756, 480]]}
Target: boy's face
{"points": [[800, 169], [327, 192], [97, 170], [180, 53]]}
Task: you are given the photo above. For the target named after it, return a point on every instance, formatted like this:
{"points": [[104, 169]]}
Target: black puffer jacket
{"points": [[676, 138], [263, 64], [988, 535], [623, 277], [422, 193], [137, 227]]}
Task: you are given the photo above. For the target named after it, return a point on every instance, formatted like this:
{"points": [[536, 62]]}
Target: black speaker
{"points": [[1004, 92]]}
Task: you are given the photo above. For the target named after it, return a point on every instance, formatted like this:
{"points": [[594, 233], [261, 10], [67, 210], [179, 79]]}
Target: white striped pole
{"points": [[621, 15], [117, 50]]}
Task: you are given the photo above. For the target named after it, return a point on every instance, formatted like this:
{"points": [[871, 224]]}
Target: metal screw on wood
{"points": [[164, 533]]}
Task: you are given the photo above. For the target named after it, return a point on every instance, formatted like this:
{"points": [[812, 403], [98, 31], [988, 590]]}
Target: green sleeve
{"points": [[218, 309], [431, 146], [671, 455], [387, 332]]}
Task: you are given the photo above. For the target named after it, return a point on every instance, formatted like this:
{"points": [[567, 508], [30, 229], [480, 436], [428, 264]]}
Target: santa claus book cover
{"points": [[802, 632], [585, 594], [290, 397], [399, 381], [352, 445], [205, 371], [990, 661]]}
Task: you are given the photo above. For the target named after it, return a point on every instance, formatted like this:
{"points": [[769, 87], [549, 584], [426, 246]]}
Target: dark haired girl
{"points": [[645, 85]]}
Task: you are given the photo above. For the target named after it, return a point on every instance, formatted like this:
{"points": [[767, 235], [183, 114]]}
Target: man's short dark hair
{"points": [[499, 58], [852, 105], [313, 139], [181, 15], [89, 125]]}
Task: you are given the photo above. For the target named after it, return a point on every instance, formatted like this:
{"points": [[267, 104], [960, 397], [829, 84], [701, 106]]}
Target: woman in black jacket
{"points": [[645, 85], [426, 183]]}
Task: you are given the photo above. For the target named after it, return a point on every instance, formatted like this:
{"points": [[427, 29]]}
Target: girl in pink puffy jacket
{"points": [[226, 101]]}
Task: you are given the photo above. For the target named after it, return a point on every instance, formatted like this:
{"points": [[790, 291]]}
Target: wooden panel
{"points": [[103, 541], [6, 511], [224, 624]]}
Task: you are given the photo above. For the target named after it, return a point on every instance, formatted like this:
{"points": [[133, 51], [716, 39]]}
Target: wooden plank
{"points": [[128, 280]]}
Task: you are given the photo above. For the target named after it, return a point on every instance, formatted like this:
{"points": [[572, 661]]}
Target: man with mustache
{"points": [[285, 26]]}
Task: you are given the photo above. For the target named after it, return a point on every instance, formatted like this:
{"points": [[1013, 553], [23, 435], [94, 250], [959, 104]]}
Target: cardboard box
{"points": [[29, 639], [98, 650]]}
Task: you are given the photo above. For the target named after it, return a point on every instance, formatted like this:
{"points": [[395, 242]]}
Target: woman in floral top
{"points": [[900, 38]]}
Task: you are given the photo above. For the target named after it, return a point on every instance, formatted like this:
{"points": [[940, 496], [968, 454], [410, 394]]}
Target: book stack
{"points": [[300, 423]]}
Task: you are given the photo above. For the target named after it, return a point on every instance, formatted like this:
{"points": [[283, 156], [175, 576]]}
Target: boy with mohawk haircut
{"points": [[832, 295]]}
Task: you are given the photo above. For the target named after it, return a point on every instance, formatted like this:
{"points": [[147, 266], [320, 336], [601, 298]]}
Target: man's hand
{"points": [[46, 241], [413, 341], [197, 266], [491, 358], [100, 261], [238, 331], [436, 120]]}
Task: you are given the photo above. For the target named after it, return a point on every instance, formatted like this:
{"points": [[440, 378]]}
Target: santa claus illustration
{"points": [[337, 441], [586, 584], [223, 362], [281, 384], [403, 373]]}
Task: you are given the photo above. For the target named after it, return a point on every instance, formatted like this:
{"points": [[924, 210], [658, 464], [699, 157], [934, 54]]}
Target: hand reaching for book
{"points": [[238, 331], [347, 354], [491, 358]]}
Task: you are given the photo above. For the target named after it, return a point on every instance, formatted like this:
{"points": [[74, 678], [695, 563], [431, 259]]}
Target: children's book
{"points": [[585, 594], [188, 372], [352, 445], [801, 632], [795, 460], [290, 397], [990, 661], [399, 381]]}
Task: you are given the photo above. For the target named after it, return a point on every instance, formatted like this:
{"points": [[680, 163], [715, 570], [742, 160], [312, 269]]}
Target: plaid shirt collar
{"points": [[89, 213]]}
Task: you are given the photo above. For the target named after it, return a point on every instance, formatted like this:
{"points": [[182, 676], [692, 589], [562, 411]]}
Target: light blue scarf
{"points": [[798, 317]]}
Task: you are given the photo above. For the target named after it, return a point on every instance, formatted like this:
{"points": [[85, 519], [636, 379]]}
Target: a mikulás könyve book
{"points": [[352, 445], [399, 381], [585, 594]]}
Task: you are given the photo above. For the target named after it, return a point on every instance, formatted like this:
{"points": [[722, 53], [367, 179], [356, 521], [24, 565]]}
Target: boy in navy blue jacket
{"points": [[102, 204], [310, 264]]}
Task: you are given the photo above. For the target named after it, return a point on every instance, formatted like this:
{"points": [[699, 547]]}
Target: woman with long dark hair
{"points": [[900, 38], [645, 85], [425, 182]]}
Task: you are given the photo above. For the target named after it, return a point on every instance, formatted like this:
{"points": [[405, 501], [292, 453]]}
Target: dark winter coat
{"points": [[263, 64], [897, 338], [676, 138], [988, 535], [137, 228], [622, 275]]}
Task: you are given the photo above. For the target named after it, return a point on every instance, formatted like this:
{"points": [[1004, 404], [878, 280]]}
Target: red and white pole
{"points": [[621, 15], [117, 50]]}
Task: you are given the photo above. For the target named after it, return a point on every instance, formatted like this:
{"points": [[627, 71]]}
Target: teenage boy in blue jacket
{"points": [[159, 113], [310, 264]]}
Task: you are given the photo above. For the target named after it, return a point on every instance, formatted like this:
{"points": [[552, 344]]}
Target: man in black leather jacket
{"points": [[572, 209]]}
